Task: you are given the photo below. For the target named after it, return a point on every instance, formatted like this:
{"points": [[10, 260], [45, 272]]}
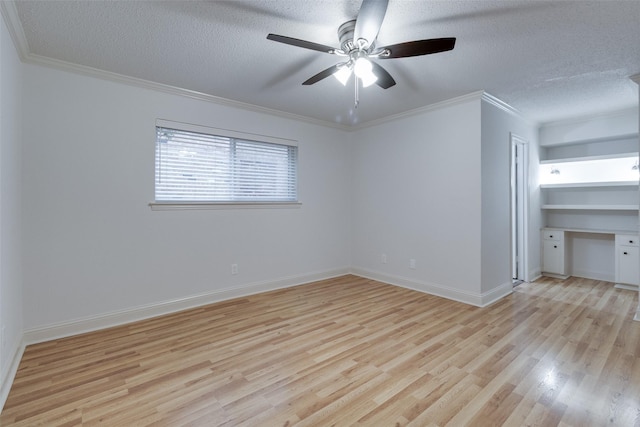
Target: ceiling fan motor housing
{"points": [[345, 35]]}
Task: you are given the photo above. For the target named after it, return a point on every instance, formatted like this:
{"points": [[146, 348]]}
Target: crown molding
{"points": [[10, 15], [505, 107], [172, 90], [473, 96], [11, 20]]}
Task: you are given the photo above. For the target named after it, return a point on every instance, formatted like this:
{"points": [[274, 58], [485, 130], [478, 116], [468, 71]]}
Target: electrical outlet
{"points": [[234, 268], [412, 264], [383, 258]]}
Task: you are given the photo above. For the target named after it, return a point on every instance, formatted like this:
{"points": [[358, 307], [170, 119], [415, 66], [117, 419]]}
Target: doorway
{"points": [[519, 208]]}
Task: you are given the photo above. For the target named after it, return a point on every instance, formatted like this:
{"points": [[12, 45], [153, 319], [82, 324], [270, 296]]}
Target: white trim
{"points": [[593, 207], [496, 294], [10, 14], [515, 139], [637, 316], [473, 96], [534, 275], [121, 317], [590, 158], [12, 21], [592, 184], [636, 78], [506, 107], [583, 141], [626, 287], [604, 276], [188, 206], [421, 110], [19, 38], [471, 298], [10, 375], [556, 276], [190, 127], [172, 90]]}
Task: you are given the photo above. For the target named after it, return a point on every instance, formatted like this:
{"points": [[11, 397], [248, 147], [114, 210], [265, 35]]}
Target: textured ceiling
{"points": [[549, 59]]}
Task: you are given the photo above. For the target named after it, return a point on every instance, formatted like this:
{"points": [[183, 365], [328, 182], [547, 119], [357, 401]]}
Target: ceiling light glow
{"points": [[343, 74], [362, 67], [368, 79]]}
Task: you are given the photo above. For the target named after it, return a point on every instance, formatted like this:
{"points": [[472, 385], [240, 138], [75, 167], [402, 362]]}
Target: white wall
{"points": [[416, 195], [435, 187], [10, 194], [92, 246], [497, 127], [603, 126]]}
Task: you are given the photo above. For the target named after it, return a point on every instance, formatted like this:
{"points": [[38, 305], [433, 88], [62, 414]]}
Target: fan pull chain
{"points": [[357, 94]]}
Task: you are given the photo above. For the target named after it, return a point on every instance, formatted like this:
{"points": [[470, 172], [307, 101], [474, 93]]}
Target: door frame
{"points": [[519, 206]]}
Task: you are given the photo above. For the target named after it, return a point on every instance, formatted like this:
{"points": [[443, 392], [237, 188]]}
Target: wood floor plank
{"points": [[349, 351]]}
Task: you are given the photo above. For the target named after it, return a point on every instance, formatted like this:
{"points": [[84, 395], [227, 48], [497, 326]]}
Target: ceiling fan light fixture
{"points": [[362, 67], [368, 79], [343, 74]]}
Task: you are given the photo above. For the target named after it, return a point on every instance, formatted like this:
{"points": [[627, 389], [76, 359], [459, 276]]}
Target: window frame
{"points": [[160, 205]]}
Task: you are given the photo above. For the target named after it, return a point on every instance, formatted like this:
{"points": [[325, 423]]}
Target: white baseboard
{"points": [[496, 293], [471, 298], [534, 275], [593, 274], [107, 320], [626, 287], [10, 374]]}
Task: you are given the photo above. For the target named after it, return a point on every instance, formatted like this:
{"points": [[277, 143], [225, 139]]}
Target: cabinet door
{"points": [[628, 265], [552, 257]]}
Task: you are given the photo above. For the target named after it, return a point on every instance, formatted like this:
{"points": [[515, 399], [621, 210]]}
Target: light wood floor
{"points": [[349, 351]]}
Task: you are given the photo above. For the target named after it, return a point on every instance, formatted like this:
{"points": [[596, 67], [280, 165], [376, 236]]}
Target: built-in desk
{"points": [[627, 254]]}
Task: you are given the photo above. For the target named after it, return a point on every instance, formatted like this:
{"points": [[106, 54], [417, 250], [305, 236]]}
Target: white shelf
{"points": [[592, 230], [592, 207], [592, 184], [587, 158]]}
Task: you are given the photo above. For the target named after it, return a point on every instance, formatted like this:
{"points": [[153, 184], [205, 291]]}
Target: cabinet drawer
{"points": [[552, 235], [626, 240]]}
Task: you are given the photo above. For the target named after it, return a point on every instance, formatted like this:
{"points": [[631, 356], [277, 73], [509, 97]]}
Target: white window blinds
{"points": [[201, 167]]}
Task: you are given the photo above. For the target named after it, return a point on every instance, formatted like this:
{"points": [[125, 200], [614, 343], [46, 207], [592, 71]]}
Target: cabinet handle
{"points": [[625, 253], [557, 247], [630, 241], [551, 236]]}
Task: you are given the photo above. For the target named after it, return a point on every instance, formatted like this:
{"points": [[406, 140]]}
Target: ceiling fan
{"points": [[357, 45]]}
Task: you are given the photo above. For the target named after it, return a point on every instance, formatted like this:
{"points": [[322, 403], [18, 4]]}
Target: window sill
{"points": [[182, 206]]}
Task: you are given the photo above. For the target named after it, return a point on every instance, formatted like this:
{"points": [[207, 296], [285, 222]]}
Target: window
{"points": [[195, 164]]}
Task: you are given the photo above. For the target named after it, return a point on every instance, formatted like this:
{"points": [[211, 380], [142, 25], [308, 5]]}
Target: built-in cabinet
{"points": [[553, 253], [589, 190], [627, 256]]}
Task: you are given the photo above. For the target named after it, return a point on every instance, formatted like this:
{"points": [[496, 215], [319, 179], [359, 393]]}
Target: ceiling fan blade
{"points": [[301, 43], [322, 75], [385, 81], [419, 47], [369, 21]]}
